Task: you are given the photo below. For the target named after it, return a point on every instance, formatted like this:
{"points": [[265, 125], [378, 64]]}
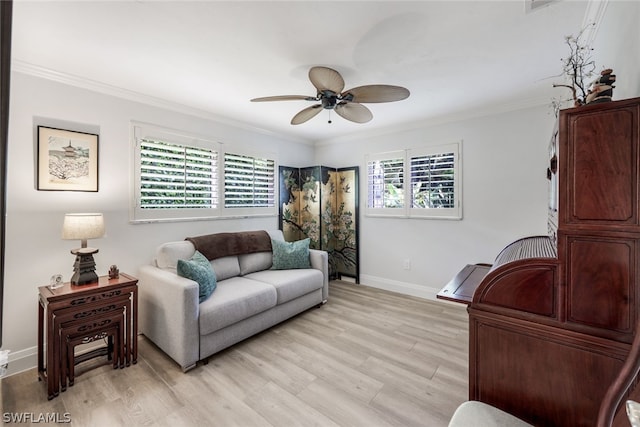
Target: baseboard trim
{"points": [[22, 360], [406, 288]]}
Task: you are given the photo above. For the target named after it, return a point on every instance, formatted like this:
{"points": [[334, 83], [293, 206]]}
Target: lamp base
{"points": [[84, 268]]}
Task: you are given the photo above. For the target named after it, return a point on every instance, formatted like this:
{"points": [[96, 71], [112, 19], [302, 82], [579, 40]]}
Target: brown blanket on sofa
{"points": [[219, 245]]}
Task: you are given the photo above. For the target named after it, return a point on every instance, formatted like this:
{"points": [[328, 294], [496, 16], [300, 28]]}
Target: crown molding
{"points": [[593, 16], [469, 114], [118, 92], [592, 19]]}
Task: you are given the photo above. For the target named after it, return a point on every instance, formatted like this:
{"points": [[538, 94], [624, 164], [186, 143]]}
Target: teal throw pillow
{"points": [[289, 255], [199, 269]]}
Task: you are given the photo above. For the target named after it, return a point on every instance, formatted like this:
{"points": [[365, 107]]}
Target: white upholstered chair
{"points": [[478, 414]]}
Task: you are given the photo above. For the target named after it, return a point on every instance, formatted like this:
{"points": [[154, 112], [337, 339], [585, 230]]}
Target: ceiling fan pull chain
{"points": [[329, 117]]}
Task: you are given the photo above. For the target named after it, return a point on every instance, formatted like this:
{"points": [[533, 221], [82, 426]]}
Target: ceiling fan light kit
{"points": [[331, 96]]}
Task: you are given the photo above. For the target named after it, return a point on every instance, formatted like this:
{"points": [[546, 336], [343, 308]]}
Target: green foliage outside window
{"points": [[176, 176]]}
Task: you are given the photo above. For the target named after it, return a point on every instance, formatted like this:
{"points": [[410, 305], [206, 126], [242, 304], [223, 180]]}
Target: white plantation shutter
{"points": [[180, 177], [435, 182], [432, 181], [417, 183], [385, 183], [174, 176], [249, 182]]}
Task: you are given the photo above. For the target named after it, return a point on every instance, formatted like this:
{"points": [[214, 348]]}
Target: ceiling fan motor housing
{"points": [[328, 99]]}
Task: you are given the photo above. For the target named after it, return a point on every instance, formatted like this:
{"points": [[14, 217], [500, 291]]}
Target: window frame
{"points": [[138, 214], [407, 210], [235, 211], [386, 157]]}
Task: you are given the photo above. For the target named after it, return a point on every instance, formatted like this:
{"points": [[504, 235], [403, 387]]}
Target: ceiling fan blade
{"points": [[306, 114], [285, 98], [376, 93], [324, 78], [354, 112]]}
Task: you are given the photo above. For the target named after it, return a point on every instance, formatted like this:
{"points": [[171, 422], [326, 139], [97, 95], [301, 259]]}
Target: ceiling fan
{"points": [[347, 104]]}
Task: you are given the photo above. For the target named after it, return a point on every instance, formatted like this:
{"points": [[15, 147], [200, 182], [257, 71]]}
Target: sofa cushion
{"points": [[168, 254], [290, 284], [250, 263], [288, 255], [198, 269], [276, 235], [226, 267], [235, 299]]}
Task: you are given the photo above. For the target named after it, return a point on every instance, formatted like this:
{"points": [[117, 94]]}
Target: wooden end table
{"points": [[76, 308]]}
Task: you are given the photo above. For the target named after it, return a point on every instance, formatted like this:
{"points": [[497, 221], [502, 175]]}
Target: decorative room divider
{"points": [[321, 203]]}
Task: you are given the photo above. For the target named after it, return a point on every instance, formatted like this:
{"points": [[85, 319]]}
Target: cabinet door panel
{"points": [[601, 274], [539, 375], [602, 167]]}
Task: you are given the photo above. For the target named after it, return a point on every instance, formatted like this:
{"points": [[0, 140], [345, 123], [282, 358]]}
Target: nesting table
{"points": [[80, 314]]}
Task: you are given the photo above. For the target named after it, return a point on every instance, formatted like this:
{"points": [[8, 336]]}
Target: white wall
{"points": [[617, 44], [504, 176], [34, 249], [504, 160], [504, 186]]}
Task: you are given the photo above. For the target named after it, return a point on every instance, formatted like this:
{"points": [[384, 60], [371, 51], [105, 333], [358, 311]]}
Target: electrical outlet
{"points": [[406, 264]]}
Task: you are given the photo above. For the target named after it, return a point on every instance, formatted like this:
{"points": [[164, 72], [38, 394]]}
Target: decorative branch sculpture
{"points": [[578, 66]]}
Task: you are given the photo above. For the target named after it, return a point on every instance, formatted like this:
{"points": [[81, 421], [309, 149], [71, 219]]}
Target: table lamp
{"points": [[83, 226]]}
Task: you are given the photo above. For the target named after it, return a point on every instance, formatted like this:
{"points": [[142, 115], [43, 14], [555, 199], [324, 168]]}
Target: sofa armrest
{"points": [[320, 261], [169, 310]]}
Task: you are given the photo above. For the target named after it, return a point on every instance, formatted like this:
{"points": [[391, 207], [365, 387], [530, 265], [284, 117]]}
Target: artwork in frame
{"points": [[67, 160]]}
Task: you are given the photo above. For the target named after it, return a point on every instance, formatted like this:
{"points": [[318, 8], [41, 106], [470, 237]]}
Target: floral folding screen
{"points": [[321, 203]]}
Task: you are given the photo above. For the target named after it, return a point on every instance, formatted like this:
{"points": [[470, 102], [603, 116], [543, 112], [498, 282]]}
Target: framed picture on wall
{"points": [[67, 160]]}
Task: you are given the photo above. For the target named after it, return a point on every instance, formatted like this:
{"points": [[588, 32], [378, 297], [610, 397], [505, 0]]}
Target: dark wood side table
{"points": [[80, 306]]}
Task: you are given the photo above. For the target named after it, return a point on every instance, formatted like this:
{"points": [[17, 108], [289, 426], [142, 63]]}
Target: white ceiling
{"points": [[212, 57]]}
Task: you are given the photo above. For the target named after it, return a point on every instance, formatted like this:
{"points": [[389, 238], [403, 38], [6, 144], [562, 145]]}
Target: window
{"points": [[422, 183], [181, 177], [432, 181], [249, 182], [174, 176], [385, 183]]}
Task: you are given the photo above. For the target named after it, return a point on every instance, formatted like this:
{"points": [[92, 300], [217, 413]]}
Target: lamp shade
{"points": [[82, 226]]}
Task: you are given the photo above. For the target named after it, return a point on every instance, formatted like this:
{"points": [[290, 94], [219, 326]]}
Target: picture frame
{"points": [[67, 160]]}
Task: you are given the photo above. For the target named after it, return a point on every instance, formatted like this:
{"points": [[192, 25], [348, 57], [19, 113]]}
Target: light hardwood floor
{"points": [[366, 358]]}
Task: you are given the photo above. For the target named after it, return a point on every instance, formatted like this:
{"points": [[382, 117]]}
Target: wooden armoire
{"points": [[551, 321]]}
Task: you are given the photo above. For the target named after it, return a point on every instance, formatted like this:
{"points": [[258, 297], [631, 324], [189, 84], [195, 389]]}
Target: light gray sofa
{"points": [[249, 297]]}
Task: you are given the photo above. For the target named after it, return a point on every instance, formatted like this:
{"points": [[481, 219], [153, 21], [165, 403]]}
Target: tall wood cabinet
{"points": [[551, 321], [599, 225]]}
